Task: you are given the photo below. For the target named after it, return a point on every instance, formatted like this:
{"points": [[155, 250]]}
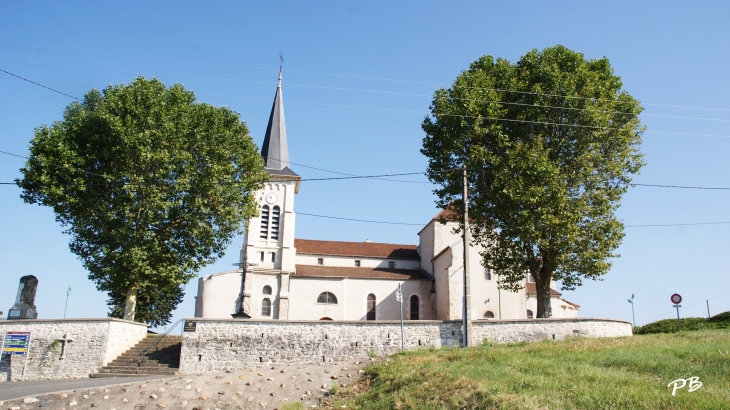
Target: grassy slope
{"points": [[625, 373]]}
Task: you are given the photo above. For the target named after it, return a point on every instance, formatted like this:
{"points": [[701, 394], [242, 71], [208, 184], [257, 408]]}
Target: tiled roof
{"points": [[361, 249], [447, 215], [575, 305], [532, 289], [316, 271]]}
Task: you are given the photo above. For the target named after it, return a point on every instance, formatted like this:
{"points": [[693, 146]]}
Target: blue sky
{"points": [[669, 55]]}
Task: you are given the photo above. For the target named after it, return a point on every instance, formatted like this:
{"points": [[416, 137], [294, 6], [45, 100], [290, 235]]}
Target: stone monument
{"points": [[24, 307]]}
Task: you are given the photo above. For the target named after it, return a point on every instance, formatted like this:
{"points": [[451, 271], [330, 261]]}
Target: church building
{"points": [[286, 278]]}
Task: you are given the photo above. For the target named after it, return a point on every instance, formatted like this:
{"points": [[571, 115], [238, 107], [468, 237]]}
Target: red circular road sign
{"points": [[676, 298]]}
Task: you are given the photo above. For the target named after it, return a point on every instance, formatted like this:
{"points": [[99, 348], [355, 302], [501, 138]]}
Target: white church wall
{"points": [[485, 296], [426, 247], [349, 261], [352, 296], [218, 294], [560, 308], [257, 284], [443, 282]]}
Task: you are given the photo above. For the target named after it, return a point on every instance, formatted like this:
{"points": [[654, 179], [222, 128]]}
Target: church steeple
{"points": [[275, 149]]}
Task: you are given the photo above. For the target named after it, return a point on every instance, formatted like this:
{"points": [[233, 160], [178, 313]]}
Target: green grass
{"points": [[624, 373], [720, 321]]}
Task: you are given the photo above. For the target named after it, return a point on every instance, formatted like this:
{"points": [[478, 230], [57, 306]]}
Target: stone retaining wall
{"points": [[95, 342], [530, 330], [226, 344]]}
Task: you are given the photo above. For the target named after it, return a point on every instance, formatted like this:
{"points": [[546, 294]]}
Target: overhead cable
{"points": [[40, 85], [340, 75]]}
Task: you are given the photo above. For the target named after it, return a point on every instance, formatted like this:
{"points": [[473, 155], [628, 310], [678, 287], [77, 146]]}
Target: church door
{"points": [[371, 307]]}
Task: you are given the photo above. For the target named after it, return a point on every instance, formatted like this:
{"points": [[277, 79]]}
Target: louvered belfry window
{"points": [[265, 222], [275, 214]]}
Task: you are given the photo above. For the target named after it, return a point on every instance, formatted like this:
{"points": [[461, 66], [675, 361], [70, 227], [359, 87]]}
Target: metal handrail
{"points": [[157, 340]]}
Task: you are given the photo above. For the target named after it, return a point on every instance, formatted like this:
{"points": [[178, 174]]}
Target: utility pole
{"points": [[708, 308], [467, 337]]}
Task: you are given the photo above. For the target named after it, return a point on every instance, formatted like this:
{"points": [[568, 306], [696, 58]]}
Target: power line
{"points": [[352, 176], [40, 85], [359, 220], [688, 224], [429, 113], [341, 75], [427, 96], [681, 187]]}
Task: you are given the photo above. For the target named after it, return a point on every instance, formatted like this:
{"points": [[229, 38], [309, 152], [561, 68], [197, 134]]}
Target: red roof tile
{"points": [[315, 271], [575, 305], [362, 249], [532, 289], [448, 215]]}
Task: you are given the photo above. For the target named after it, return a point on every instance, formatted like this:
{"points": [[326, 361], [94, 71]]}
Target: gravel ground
{"points": [[255, 388]]}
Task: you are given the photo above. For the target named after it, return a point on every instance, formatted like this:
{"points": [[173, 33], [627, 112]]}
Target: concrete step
{"points": [[139, 370]]}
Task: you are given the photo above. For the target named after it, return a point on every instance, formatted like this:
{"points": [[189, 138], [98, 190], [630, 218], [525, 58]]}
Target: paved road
{"points": [[16, 390]]}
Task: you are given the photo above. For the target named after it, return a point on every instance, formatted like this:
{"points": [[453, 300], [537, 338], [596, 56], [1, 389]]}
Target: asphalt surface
{"points": [[17, 390]]}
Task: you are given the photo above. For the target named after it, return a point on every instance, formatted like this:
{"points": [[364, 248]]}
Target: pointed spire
{"points": [[275, 149]]}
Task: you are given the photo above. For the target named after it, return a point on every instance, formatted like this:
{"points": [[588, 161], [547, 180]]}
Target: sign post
{"points": [[632, 309], [399, 298], [677, 299], [16, 343]]}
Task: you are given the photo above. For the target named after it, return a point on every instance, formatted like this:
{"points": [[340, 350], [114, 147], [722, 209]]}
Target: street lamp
{"points": [[632, 309]]}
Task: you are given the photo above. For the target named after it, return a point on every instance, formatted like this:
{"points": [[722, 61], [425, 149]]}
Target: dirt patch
{"points": [[267, 387]]}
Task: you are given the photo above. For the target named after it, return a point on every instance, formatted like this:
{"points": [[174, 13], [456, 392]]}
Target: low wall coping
{"points": [[409, 322], [68, 320]]}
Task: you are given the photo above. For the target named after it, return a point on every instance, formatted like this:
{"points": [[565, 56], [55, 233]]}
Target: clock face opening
{"points": [[271, 198]]}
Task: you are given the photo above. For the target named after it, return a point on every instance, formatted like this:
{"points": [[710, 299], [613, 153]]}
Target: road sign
{"points": [[16, 343], [676, 298]]}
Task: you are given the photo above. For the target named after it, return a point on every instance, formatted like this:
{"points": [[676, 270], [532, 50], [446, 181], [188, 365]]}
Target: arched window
{"points": [[488, 314], [327, 297], [529, 314], [275, 213], [415, 307], [264, 222], [266, 307], [371, 307], [267, 290]]}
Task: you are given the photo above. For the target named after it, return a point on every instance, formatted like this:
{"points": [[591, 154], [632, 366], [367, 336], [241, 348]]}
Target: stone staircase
{"points": [[162, 359]]}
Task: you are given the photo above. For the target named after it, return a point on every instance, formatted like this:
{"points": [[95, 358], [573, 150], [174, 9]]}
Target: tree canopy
{"points": [[150, 185], [550, 144]]}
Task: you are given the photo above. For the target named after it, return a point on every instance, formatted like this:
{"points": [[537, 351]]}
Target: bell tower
{"points": [[269, 239]]}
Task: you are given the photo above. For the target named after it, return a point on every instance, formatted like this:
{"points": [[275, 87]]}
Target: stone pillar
{"points": [[24, 307], [284, 297]]}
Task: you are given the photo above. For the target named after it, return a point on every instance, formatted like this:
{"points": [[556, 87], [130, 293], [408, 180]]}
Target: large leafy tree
{"points": [[151, 186], [550, 144]]}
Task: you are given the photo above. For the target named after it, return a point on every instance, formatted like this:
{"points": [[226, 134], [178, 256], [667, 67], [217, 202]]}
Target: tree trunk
{"points": [[130, 303], [542, 285]]}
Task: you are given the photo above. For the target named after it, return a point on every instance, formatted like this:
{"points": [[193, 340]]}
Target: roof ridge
{"points": [[363, 242]]}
